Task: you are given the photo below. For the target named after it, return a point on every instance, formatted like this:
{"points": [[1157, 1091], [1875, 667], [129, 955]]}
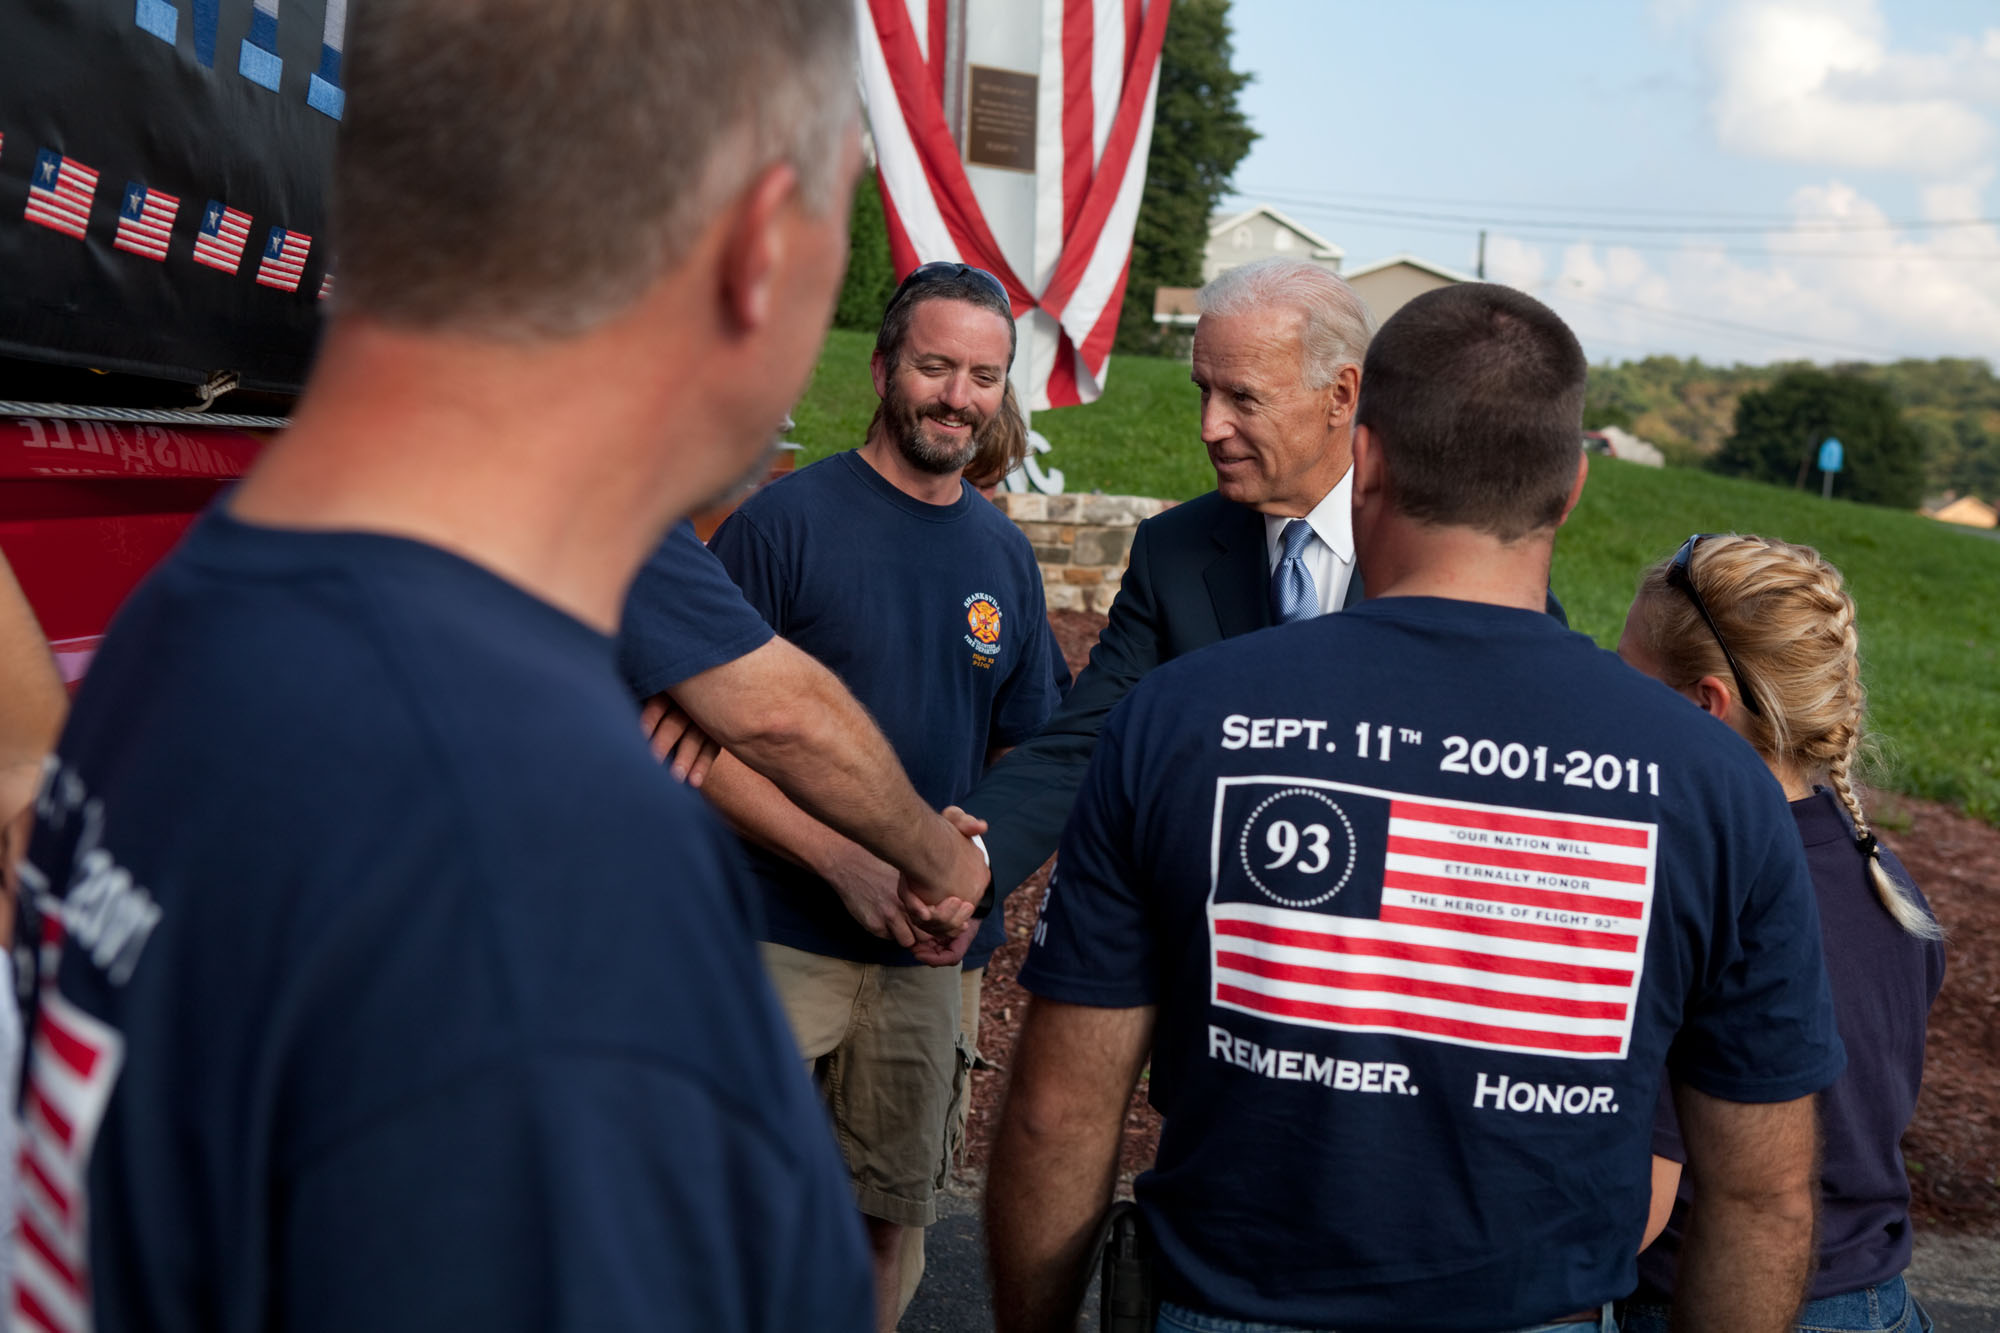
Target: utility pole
{"points": [[1481, 270]]}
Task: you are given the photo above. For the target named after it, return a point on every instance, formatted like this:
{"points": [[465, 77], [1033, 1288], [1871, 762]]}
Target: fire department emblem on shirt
{"points": [[982, 623]]}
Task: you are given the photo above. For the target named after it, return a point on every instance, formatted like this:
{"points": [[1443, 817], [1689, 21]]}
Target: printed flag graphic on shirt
{"points": [[74, 1063], [223, 233], [1362, 910], [146, 221], [284, 260], [59, 193]]}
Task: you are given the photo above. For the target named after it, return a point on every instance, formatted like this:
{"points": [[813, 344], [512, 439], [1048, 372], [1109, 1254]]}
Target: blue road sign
{"points": [[1830, 455]]}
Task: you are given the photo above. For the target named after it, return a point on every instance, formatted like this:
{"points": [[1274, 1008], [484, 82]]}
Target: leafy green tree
{"points": [[1200, 134], [1779, 431], [871, 275]]}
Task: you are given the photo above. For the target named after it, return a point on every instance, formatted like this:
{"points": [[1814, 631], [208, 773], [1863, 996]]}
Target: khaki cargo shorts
{"points": [[883, 1045]]}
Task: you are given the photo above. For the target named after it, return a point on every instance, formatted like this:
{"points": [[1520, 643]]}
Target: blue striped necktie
{"points": [[1293, 595]]}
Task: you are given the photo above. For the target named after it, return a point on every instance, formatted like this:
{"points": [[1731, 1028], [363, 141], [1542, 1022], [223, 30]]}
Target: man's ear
{"points": [[878, 367], [1343, 395], [1576, 491], [754, 246], [1369, 478]]}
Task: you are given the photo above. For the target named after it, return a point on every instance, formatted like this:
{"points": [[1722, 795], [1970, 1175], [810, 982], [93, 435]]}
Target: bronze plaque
{"points": [[1000, 119]]}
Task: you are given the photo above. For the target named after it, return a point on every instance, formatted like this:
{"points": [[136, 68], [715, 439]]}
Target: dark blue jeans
{"points": [[1886, 1307]]}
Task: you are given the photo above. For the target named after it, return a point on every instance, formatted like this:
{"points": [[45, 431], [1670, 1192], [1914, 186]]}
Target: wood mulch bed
{"points": [[1953, 1146]]}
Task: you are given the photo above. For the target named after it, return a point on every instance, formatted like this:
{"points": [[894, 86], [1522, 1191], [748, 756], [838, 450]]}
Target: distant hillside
{"points": [[1689, 409]]}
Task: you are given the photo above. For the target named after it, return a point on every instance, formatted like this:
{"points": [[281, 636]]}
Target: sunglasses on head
{"points": [[1679, 576], [946, 270]]}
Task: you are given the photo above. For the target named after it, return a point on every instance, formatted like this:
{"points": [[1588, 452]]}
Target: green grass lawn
{"points": [[1928, 594], [1141, 438]]}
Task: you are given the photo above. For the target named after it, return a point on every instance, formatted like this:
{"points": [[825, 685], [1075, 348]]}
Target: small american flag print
{"points": [[60, 192], [219, 243], [146, 221], [284, 261]]}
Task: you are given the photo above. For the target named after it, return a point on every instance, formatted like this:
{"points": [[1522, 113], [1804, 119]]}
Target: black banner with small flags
{"points": [[163, 184]]}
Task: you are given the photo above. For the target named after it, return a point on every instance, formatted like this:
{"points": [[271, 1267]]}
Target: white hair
{"points": [[1338, 326]]}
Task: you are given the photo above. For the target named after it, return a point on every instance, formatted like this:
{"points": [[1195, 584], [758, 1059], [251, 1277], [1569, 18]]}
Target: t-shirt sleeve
{"points": [[1094, 942], [1760, 1026], [752, 560], [571, 1190], [682, 617], [1667, 1126]]}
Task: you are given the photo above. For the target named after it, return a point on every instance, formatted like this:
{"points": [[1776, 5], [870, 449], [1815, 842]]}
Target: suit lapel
{"points": [[1239, 582], [1354, 593]]}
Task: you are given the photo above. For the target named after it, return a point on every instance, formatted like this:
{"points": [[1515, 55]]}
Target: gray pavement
{"points": [[1956, 1277]]}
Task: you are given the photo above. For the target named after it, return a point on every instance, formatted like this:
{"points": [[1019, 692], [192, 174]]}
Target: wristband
{"points": [[985, 907]]}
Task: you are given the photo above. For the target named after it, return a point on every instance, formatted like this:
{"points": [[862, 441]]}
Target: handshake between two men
{"points": [[793, 762]]}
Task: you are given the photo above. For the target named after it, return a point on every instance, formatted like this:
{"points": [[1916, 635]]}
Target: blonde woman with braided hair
{"points": [[1761, 634]]}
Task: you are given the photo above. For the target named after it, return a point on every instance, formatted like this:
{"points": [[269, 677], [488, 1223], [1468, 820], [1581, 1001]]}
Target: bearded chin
{"points": [[926, 455]]}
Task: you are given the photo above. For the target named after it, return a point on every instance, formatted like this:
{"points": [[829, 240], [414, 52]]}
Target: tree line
{"points": [[1910, 428]]}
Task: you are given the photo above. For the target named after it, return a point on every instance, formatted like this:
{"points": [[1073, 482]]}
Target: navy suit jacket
{"points": [[1199, 574]]}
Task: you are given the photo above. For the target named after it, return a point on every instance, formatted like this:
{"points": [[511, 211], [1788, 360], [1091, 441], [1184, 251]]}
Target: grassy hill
{"points": [[1929, 594]]}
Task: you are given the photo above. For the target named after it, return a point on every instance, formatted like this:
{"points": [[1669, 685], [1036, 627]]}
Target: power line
{"points": [[1734, 326], [1682, 247], [1252, 194], [1809, 227]]}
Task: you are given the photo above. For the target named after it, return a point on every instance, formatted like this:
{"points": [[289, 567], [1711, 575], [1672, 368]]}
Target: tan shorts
{"points": [[883, 1044]]}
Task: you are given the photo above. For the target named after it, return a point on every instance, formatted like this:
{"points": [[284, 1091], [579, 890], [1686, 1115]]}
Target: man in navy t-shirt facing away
{"points": [[366, 996], [1409, 907], [926, 601]]}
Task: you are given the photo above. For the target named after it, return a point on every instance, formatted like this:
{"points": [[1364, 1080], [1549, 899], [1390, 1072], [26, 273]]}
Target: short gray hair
{"points": [[526, 169], [1338, 326]]}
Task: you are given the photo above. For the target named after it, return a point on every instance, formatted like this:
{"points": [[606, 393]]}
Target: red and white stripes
{"points": [[1099, 75]]}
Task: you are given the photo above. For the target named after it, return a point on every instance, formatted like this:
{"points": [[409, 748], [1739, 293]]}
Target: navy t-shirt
{"points": [[993, 930], [1427, 893], [931, 614], [387, 983], [1886, 981], [682, 617]]}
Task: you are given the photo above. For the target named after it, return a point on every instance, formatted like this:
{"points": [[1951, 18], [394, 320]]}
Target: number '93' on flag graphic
{"points": [[1361, 910]]}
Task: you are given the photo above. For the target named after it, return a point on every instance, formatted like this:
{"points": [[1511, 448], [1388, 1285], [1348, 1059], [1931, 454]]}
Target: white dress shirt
{"points": [[1329, 556]]}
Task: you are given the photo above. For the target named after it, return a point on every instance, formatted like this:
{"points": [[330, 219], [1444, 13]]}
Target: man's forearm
{"points": [[760, 812], [790, 719], [32, 701], [1749, 1249], [1744, 1265], [1055, 1158]]}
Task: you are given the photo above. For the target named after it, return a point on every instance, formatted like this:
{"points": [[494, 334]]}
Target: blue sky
{"points": [[1827, 133]]}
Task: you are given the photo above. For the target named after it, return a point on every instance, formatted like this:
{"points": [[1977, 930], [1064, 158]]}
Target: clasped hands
{"points": [[933, 920]]}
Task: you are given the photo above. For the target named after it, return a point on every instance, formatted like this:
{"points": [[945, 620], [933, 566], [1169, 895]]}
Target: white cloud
{"points": [[1815, 81], [1869, 295]]}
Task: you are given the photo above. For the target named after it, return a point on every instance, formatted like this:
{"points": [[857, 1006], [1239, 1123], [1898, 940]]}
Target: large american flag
{"points": [[1099, 73], [219, 243], [146, 221], [284, 261], [59, 193], [1480, 925]]}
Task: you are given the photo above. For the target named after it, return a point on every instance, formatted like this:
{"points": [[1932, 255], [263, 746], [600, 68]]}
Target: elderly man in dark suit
{"points": [[1277, 357]]}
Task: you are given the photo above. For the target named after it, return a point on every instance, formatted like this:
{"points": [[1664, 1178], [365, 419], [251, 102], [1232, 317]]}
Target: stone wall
{"points": [[1081, 542]]}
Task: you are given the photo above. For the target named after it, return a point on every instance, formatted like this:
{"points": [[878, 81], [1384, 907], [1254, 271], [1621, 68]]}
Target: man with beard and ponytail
{"points": [[926, 601]]}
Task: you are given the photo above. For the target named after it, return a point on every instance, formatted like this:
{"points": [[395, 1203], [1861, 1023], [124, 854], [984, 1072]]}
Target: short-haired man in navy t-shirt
{"points": [[365, 996], [1409, 907], [927, 602]]}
